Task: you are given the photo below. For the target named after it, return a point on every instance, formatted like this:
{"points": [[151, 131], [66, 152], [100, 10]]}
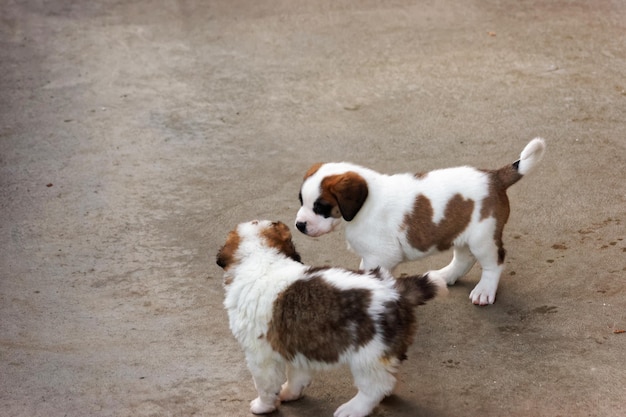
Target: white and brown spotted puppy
{"points": [[393, 218], [292, 319]]}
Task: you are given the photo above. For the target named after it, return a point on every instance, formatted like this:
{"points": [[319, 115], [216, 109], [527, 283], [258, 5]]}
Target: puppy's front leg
{"points": [[297, 380], [375, 381], [267, 379], [265, 403]]}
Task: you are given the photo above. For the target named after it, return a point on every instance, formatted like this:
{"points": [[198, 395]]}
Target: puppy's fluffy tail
{"points": [[418, 289], [528, 160], [531, 155]]}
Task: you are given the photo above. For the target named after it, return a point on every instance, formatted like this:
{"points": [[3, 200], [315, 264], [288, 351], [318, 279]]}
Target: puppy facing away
{"points": [[394, 218], [292, 319]]}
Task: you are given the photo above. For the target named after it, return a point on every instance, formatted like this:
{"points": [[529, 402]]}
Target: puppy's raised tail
{"points": [[417, 289], [528, 160], [531, 155]]}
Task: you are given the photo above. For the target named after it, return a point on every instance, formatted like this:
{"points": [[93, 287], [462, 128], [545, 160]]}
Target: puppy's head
{"points": [[329, 193], [255, 238]]}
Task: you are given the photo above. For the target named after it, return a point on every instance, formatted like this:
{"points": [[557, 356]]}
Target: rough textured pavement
{"points": [[135, 135]]}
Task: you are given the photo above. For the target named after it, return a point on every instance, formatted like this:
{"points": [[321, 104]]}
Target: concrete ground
{"points": [[135, 135]]}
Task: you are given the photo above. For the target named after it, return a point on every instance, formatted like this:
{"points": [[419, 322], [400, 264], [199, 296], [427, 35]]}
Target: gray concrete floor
{"points": [[134, 135]]}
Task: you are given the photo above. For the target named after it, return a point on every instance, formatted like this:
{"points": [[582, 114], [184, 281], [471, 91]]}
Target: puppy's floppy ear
{"points": [[349, 190], [220, 259], [278, 236], [226, 255]]}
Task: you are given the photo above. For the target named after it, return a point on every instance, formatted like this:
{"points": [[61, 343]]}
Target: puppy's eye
{"points": [[322, 208], [300, 197]]}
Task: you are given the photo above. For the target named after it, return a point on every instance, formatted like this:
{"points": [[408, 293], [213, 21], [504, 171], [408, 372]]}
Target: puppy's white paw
{"points": [[483, 295], [440, 275], [259, 407], [353, 409], [287, 395]]}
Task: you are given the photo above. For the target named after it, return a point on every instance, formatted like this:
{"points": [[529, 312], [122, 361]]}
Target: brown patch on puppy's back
{"points": [[423, 234], [278, 236], [319, 321], [226, 255]]}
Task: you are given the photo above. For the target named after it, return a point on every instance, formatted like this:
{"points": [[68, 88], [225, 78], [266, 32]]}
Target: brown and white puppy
{"points": [[393, 218], [292, 319]]}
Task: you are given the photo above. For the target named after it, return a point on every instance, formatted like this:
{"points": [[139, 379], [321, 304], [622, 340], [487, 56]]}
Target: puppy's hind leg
{"points": [[462, 262], [374, 382], [297, 380], [491, 259]]}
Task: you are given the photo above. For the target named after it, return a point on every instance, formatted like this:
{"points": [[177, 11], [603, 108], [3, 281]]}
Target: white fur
{"points": [[256, 279], [376, 232], [531, 155]]}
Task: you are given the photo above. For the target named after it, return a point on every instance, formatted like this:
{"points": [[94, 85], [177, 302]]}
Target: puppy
{"points": [[292, 319], [394, 218]]}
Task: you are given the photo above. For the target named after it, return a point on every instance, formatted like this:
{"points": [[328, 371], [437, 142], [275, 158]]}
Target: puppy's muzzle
{"points": [[301, 226]]}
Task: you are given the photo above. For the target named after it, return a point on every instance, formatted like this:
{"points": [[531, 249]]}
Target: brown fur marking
{"points": [[319, 321], [278, 236], [226, 254], [422, 233], [398, 320], [417, 289], [507, 175], [399, 326], [496, 204], [314, 168], [348, 191]]}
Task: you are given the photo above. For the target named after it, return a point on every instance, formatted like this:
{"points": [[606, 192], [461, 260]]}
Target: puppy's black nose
{"points": [[301, 227]]}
